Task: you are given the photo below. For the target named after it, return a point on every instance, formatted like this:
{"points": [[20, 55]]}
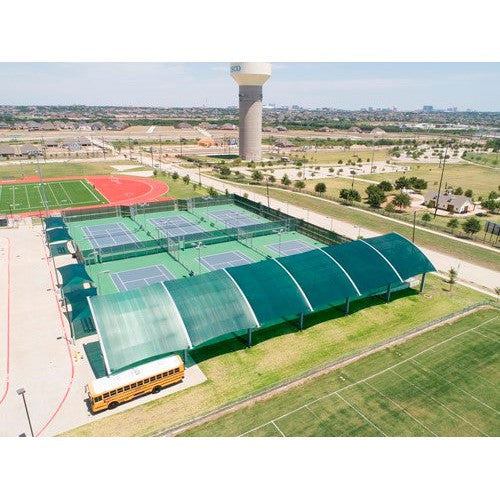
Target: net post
{"points": [[249, 340], [388, 294], [301, 321], [346, 308], [422, 283]]}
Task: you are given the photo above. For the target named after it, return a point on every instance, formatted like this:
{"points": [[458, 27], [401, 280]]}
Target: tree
{"points": [[285, 180], [458, 191], [225, 171], [402, 182], [300, 184], [490, 205], [452, 224], [390, 208], [426, 217], [493, 195], [186, 179], [340, 162], [417, 183], [212, 192], [320, 187], [385, 186], [402, 200], [452, 273], [350, 195], [471, 225], [376, 196], [271, 179], [468, 193], [257, 175], [175, 176]]}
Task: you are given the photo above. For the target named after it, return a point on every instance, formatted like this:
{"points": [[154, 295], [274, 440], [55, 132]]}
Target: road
{"points": [[468, 273]]}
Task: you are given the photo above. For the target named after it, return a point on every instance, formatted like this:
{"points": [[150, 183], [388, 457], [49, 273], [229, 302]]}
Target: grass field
{"points": [[471, 253], [332, 157], [28, 197], [480, 179], [488, 159], [443, 383], [281, 352]]}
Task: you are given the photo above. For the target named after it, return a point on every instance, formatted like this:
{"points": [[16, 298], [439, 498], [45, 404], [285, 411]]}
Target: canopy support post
{"points": [[347, 302], [388, 294], [184, 356], [249, 340], [70, 320], [301, 321], [422, 283]]}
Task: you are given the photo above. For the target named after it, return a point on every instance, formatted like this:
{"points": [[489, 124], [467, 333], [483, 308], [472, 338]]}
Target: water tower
{"points": [[250, 76]]}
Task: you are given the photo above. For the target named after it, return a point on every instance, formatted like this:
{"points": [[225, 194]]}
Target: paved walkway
{"points": [[468, 272]]}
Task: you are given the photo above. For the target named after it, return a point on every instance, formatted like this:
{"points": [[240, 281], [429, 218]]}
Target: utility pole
{"points": [[414, 222], [129, 149], [441, 180], [160, 149], [103, 148]]}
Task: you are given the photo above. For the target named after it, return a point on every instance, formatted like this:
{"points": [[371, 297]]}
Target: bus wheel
{"points": [[156, 389], [112, 405]]}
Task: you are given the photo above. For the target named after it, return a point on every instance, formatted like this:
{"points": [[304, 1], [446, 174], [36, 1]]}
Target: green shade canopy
{"points": [[54, 222], [57, 235], [73, 276]]}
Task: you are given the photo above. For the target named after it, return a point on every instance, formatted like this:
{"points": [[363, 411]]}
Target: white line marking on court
{"points": [[401, 408], [388, 369], [384, 257], [428, 370], [343, 270], [278, 429], [361, 414], [438, 402], [90, 191]]}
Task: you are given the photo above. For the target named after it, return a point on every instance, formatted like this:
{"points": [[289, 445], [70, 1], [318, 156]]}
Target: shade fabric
{"points": [[53, 223], [73, 276], [57, 235]]}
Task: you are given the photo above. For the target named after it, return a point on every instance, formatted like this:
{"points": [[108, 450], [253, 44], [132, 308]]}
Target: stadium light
{"points": [[21, 391], [199, 246]]}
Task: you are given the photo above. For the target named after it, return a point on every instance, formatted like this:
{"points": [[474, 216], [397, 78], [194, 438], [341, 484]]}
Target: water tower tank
{"points": [[250, 76]]}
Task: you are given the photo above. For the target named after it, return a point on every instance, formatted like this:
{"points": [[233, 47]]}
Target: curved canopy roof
{"points": [[148, 322]]}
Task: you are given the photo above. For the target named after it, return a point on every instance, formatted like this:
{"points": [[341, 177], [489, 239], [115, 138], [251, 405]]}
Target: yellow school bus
{"points": [[108, 392]]}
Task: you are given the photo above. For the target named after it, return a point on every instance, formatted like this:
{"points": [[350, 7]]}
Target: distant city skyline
{"points": [[349, 86]]}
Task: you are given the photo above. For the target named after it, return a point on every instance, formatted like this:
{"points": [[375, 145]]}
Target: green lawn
{"points": [[488, 159], [464, 251], [333, 157], [481, 180], [28, 197], [443, 383], [178, 189], [281, 352]]}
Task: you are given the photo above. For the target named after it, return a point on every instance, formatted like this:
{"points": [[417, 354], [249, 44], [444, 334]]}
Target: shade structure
{"points": [[54, 222], [141, 324], [211, 305], [270, 290], [137, 325], [73, 276], [58, 235]]}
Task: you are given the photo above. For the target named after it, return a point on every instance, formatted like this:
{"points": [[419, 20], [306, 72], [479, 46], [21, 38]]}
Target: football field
{"points": [[442, 383], [28, 197]]}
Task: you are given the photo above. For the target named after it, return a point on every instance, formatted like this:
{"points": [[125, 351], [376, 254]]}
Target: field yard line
{"points": [[13, 197], [374, 375], [90, 191], [27, 196], [361, 414], [401, 408], [277, 428], [488, 337], [455, 385], [439, 403], [53, 195], [67, 195]]}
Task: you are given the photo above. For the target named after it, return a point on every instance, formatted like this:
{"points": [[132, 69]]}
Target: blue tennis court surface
{"points": [[176, 225], [223, 260], [108, 235], [233, 218], [143, 276], [291, 247]]}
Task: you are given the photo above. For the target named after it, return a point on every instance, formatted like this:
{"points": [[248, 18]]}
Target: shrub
{"points": [[320, 187], [471, 225], [385, 186]]}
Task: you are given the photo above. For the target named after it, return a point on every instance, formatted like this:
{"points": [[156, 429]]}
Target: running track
{"points": [[118, 190]]}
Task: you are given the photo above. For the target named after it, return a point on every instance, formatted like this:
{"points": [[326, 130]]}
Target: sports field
{"points": [[442, 383], [28, 197]]}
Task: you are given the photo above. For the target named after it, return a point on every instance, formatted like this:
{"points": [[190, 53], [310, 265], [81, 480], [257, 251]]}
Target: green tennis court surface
{"points": [[442, 383], [28, 197]]}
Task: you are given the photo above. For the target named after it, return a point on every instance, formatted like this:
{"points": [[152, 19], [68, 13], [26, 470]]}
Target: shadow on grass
{"points": [[236, 342]]}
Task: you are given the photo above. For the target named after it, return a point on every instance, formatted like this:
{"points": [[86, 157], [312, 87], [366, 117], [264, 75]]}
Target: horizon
{"points": [[337, 86]]}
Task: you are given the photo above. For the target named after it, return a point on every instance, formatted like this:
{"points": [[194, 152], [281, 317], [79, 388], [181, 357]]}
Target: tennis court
{"points": [[223, 260], [234, 218], [137, 278], [290, 247], [108, 235], [28, 197], [176, 225]]}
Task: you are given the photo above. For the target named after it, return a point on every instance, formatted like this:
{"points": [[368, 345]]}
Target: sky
{"points": [[407, 86]]}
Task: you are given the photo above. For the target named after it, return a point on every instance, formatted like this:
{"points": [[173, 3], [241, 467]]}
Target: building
{"points": [[450, 202], [428, 108], [7, 151]]}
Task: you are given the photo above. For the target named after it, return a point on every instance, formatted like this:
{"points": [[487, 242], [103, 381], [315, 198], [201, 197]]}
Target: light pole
{"points": [[199, 174], [21, 392], [199, 246], [331, 224], [359, 231], [280, 232]]}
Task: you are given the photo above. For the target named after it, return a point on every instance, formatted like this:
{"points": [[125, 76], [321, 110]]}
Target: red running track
{"points": [[118, 190]]}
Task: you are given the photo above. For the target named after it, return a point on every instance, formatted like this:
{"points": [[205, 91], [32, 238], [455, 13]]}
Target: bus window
{"points": [[113, 393], [97, 398], [139, 383], [165, 374], [127, 388], [171, 372], [120, 389], [134, 385], [106, 395], [177, 370]]}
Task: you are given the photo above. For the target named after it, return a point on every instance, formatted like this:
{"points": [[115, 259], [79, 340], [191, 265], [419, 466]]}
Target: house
{"points": [[7, 151], [377, 131], [283, 143], [228, 126], [29, 150], [31, 125], [4, 125], [356, 130], [450, 202], [183, 125], [206, 142], [97, 126], [281, 128], [51, 144], [324, 129], [47, 126], [118, 126]]}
